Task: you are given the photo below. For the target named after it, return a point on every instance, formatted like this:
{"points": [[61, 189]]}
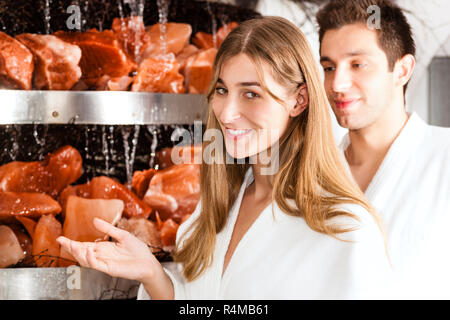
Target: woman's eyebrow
{"points": [[249, 84], [242, 84]]}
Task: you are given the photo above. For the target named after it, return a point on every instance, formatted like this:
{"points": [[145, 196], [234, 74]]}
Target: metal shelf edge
{"points": [[100, 107]]}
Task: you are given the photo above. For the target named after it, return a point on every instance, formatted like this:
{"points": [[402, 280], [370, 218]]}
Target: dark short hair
{"points": [[394, 36]]}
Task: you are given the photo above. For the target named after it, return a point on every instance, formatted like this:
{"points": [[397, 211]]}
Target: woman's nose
{"points": [[229, 111]]}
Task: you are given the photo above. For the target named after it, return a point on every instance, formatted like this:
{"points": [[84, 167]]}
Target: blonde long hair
{"points": [[310, 168]]}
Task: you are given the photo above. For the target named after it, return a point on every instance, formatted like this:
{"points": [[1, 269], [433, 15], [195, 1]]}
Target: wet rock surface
{"points": [[47, 16]]}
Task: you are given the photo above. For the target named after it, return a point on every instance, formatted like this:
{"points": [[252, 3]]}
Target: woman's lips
{"points": [[237, 133], [343, 104]]}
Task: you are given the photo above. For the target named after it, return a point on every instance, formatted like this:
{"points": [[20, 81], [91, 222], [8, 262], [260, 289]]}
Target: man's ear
{"points": [[302, 101], [403, 69]]}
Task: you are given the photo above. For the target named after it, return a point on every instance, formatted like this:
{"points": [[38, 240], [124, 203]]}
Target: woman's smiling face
{"points": [[250, 118]]}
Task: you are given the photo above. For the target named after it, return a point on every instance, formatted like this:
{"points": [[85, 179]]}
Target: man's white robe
{"points": [[411, 189]]}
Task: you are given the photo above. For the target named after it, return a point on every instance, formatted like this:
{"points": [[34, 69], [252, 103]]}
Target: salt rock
{"points": [[16, 64], [175, 191], [45, 248], [107, 188], [51, 175], [143, 229], [10, 250], [56, 61], [26, 204], [79, 220], [176, 38]]}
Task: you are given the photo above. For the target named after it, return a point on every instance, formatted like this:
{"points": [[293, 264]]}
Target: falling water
{"points": [[129, 157], [120, 7], [134, 143], [224, 20], [139, 12], [105, 149], [112, 150], [136, 10], [123, 24], [100, 20], [121, 14], [163, 12], [85, 16], [214, 23], [40, 141], [222, 15], [14, 134], [136, 7], [2, 23], [154, 132], [86, 148], [47, 16]]}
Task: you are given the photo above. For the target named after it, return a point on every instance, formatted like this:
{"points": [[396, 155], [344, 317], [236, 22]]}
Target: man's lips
{"points": [[345, 103]]}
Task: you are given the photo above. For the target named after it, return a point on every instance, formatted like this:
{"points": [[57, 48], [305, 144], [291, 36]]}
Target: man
{"points": [[401, 163]]}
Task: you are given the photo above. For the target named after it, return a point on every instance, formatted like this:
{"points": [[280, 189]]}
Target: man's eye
{"points": [[251, 95], [221, 91], [328, 69], [359, 65]]}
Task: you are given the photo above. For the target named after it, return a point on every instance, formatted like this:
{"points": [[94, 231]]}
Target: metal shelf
{"points": [[73, 283], [100, 107]]}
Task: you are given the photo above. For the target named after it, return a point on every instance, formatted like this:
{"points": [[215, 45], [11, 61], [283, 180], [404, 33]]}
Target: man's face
{"points": [[358, 82]]}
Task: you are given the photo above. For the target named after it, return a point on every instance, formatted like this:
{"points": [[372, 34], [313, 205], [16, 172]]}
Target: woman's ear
{"points": [[302, 101]]}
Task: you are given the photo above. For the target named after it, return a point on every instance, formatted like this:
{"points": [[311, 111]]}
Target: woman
{"points": [[288, 225]]}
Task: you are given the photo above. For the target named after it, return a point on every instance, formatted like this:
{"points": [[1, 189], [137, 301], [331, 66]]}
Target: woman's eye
{"points": [[221, 91], [328, 69], [251, 95]]}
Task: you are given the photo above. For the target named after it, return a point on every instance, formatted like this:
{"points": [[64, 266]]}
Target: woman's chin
{"points": [[238, 155], [235, 155]]}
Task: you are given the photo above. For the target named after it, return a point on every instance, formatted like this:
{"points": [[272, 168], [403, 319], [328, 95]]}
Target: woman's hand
{"points": [[128, 258]]}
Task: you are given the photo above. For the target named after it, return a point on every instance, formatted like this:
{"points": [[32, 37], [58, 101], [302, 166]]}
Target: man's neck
{"points": [[373, 142], [369, 146]]}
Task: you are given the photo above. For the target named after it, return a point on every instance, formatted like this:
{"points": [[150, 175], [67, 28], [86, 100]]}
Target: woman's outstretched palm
{"points": [[128, 258]]}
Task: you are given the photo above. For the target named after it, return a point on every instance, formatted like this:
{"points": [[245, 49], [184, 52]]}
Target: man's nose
{"points": [[342, 80]]}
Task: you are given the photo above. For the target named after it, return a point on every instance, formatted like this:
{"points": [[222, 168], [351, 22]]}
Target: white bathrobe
{"points": [[411, 189], [280, 257]]}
